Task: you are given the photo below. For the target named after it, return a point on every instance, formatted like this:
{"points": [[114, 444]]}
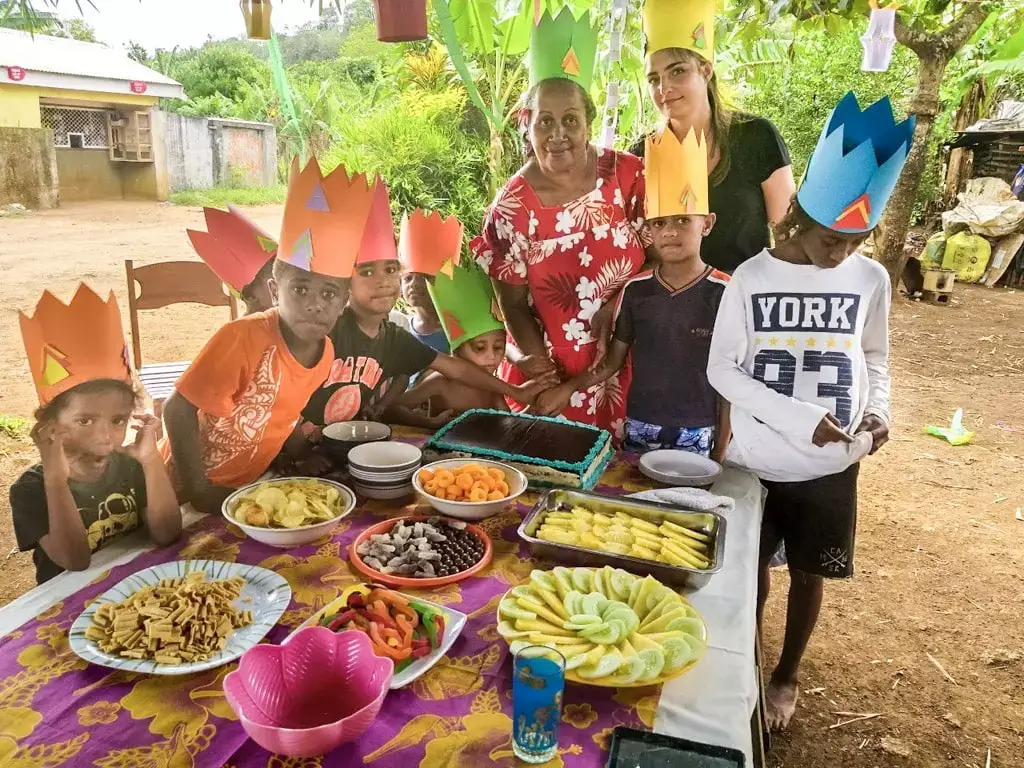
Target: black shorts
{"points": [[817, 520]]}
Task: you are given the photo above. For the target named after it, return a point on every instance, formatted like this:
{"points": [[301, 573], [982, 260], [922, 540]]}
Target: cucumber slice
{"points": [[621, 582], [678, 653], [661, 622], [573, 602], [659, 595], [593, 603], [509, 632], [583, 619], [654, 663], [598, 585], [563, 581], [687, 625], [582, 579], [576, 661], [594, 629], [634, 591], [523, 590], [542, 580], [611, 634], [630, 670], [509, 609], [606, 666]]}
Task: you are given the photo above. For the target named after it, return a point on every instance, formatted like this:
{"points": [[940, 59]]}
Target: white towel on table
{"points": [[696, 499]]}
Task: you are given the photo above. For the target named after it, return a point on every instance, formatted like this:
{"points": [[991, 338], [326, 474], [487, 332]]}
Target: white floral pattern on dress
{"points": [[226, 439]]}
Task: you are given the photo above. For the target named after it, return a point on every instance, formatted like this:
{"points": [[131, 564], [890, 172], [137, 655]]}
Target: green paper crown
{"points": [[563, 47], [465, 303]]}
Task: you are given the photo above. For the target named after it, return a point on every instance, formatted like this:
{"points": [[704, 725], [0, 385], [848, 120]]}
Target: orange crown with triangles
{"points": [[676, 174], [233, 246], [70, 344], [427, 242], [325, 219]]}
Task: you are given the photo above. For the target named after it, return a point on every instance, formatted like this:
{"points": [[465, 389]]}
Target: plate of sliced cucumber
{"points": [[613, 628]]}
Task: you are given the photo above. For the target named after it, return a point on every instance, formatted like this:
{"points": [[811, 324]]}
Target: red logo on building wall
{"points": [[16, 74], [138, 86]]}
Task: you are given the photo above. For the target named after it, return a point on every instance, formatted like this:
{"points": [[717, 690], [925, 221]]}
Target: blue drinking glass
{"points": [[538, 679]]}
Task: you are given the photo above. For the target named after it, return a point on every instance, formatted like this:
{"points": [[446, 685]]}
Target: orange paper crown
{"points": [[324, 219], [427, 242], [233, 247], [70, 344], [378, 243]]}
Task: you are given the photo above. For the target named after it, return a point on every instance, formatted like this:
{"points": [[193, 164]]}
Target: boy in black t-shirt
{"points": [[666, 316], [373, 356], [88, 488]]}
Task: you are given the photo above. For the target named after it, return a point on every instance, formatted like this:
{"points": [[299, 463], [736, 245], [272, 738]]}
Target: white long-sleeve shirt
{"points": [[792, 343]]}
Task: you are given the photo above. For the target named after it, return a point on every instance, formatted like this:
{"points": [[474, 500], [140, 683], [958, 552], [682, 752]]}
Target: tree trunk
{"points": [[892, 231], [495, 163]]}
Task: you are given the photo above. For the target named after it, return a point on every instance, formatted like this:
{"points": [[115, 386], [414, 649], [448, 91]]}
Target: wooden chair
{"points": [[155, 286]]}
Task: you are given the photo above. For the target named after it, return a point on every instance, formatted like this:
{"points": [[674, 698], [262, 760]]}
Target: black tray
{"points": [[631, 748]]}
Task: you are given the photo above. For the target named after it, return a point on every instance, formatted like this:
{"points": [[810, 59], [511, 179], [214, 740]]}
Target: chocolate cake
{"points": [[548, 451]]}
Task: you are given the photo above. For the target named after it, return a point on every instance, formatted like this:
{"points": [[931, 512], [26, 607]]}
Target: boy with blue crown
{"points": [[801, 351]]}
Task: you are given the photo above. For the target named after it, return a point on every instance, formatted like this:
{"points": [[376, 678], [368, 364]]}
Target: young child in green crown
{"points": [[801, 352]]}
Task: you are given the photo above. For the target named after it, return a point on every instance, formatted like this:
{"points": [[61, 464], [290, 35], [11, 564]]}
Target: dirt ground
{"points": [[939, 555]]}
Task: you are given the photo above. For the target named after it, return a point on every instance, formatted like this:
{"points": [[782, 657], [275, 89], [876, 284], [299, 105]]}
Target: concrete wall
{"points": [[28, 167], [19, 107], [90, 174], [204, 152]]}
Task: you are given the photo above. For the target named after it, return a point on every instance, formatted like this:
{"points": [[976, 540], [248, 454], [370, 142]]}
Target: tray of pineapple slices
{"points": [[614, 629]]}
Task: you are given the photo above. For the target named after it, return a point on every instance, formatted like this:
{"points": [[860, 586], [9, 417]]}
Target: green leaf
{"points": [[515, 19], [474, 24], [1012, 48]]}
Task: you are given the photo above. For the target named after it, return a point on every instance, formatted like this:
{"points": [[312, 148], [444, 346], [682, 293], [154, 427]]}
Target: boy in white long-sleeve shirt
{"points": [[800, 350]]}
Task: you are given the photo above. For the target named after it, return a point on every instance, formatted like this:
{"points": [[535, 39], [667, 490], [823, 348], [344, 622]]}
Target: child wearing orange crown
{"points": [[240, 253], [423, 244], [371, 352], [88, 488], [235, 407]]}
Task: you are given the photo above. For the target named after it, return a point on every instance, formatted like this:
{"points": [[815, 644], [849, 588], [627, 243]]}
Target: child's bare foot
{"points": [[780, 704]]}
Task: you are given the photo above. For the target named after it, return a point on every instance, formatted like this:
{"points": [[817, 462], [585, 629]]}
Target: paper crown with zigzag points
{"points": [[233, 246], [855, 166], [70, 344], [676, 174], [688, 24], [378, 243], [465, 302], [325, 219], [426, 241], [563, 47]]}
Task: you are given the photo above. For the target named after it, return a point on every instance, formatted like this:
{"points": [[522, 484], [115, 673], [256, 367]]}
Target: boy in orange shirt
{"points": [[239, 401]]}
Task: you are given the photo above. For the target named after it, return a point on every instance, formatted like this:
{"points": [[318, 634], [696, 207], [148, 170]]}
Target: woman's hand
{"points": [[555, 400], [49, 439], [536, 366], [601, 331], [144, 447]]}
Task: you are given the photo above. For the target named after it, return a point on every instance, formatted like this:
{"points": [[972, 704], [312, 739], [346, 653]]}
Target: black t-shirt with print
{"points": [[362, 368], [110, 507], [669, 334], [741, 231]]}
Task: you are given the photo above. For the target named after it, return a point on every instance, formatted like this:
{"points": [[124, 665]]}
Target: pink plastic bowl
{"points": [[317, 692]]}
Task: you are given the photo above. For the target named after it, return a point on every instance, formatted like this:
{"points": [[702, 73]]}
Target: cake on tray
{"points": [[550, 452]]}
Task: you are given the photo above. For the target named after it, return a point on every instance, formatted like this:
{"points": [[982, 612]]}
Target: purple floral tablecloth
{"points": [[57, 710]]}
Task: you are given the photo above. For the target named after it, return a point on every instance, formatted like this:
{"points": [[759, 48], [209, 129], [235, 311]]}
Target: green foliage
{"points": [[13, 427], [416, 142], [221, 68], [221, 196]]}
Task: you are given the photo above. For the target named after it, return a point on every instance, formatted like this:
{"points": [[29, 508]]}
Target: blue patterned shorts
{"points": [[642, 437]]}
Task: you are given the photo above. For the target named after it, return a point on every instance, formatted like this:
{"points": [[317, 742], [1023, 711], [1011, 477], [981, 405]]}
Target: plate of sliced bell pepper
{"points": [[412, 632]]}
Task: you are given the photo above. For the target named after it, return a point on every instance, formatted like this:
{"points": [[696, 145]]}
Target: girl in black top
{"points": [[751, 180]]}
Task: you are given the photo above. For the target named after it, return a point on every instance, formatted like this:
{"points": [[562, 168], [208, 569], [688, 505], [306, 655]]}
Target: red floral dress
{"points": [[574, 257]]}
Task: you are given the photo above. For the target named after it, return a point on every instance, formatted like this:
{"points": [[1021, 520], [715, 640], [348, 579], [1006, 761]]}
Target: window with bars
{"points": [[76, 128]]}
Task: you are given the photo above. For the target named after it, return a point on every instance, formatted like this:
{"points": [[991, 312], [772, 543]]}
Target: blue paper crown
{"points": [[855, 165]]}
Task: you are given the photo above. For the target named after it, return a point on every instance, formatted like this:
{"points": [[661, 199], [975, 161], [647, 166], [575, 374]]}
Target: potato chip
{"points": [[288, 504]]}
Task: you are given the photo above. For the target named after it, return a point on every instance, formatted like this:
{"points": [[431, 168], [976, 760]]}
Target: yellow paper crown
{"points": [[688, 24], [428, 243], [70, 344], [324, 219], [676, 175]]}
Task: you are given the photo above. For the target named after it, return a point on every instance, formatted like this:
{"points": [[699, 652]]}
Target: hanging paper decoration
{"points": [[257, 18], [400, 21], [880, 39]]}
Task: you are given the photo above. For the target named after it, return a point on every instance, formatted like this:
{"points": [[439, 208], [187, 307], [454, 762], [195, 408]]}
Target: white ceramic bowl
{"points": [[384, 494], [386, 457], [288, 537], [382, 477], [680, 468], [473, 510]]}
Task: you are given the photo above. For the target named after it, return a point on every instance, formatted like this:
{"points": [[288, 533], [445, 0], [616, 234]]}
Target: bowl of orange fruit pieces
{"points": [[469, 489]]}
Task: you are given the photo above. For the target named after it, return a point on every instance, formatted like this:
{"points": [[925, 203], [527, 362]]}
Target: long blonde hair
{"points": [[722, 117]]}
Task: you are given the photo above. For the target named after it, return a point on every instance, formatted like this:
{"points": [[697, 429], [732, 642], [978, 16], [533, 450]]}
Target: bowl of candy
{"points": [[306, 697], [469, 489], [288, 511]]}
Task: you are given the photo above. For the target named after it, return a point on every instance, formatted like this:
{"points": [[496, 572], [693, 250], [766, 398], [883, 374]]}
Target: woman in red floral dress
{"points": [[560, 240]]}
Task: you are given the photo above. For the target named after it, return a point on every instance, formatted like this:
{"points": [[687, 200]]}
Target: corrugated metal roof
{"points": [[59, 55]]}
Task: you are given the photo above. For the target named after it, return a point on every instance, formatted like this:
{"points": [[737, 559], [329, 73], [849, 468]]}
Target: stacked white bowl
{"points": [[384, 470]]}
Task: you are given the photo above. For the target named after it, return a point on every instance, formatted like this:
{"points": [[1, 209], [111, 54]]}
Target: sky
{"points": [[169, 23]]}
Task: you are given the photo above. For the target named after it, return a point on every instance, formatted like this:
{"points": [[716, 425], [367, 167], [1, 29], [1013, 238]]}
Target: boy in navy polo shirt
{"points": [[666, 316]]}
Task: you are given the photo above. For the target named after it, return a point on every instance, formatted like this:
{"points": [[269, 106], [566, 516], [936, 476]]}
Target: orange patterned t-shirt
{"points": [[249, 391]]}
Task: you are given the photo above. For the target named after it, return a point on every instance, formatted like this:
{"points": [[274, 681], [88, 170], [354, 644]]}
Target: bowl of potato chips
{"points": [[288, 511]]}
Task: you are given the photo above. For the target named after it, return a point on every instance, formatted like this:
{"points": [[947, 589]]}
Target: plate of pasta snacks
{"points": [[181, 617]]}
